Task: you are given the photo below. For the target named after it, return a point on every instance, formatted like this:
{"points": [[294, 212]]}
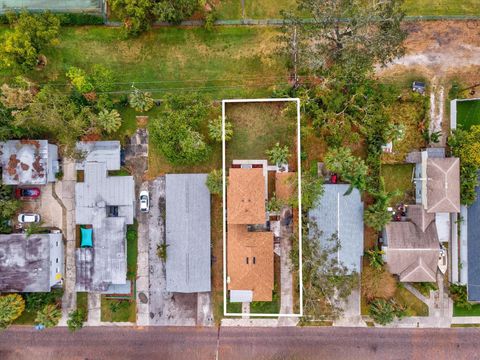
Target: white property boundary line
{"points": [[299, 172]]}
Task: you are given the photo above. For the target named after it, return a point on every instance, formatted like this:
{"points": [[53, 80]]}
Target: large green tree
{"points": [[326, 281], [177, 130], [348, 166], [138, 15], [53, 114], [29, 34], [11, 307], [349, 34]]}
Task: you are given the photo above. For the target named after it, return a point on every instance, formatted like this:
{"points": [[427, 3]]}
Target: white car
{"points": [[144, 201], [28, 218]]}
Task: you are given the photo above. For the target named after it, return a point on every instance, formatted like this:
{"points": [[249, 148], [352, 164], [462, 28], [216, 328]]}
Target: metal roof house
{"points": [[473, 249], [32, 263], [341, 214], [28, 162], [188, 233], [106, 203]]}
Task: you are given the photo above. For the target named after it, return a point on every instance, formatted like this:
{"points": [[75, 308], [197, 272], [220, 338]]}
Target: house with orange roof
{"points": [[249, 241]]}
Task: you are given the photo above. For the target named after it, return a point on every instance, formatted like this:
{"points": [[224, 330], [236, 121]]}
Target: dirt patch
{"points": [[439, 48]]}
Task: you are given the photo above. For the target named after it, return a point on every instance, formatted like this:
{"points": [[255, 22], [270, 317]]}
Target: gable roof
{"points": [[246, 196], [412, 253], [187, 233], [257, 274], [343, 215], [443, 185], [107, 152]]}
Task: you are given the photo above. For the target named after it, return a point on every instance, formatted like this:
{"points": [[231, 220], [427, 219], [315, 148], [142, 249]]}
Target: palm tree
{"points": [[49, 316], [278, 154], [109, 121], [139, 100], [215, 129]]}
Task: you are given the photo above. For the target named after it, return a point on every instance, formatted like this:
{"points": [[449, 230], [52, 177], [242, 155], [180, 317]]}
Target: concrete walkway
{"points": [[94, 309], [67, 195]]}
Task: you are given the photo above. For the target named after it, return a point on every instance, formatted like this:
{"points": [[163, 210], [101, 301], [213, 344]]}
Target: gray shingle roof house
{"points": [[107, 204], [341, 214], [28, 162], [31, 264], [188, 233], [411, 247]]}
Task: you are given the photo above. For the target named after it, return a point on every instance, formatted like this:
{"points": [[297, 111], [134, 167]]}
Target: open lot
{"points": [[270, 9]]}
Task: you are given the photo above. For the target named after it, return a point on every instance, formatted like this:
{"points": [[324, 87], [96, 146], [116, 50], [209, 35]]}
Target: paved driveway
{"points": [[165, 308]]}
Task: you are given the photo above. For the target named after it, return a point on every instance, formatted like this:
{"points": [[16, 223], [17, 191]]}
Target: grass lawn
{"points": [[468, 113], [257, 127], [132, 251], [217, 254], [118, 310], [27, 318], [230, 61], [399, 177], [82, 302], [473, 311], [414, 306], [441, 7]]}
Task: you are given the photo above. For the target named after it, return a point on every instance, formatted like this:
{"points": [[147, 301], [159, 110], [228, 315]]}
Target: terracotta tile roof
{"points": [[246, 196], [284, 185], [443, 185], [257, 275]]}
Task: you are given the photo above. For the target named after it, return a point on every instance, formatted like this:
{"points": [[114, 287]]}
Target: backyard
{"points": [[257, 127], [399, 178], [270, 9], [468, 113]]}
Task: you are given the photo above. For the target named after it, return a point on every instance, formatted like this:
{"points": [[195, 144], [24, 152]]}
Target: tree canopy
{"points": [[351, 35], [30, 34], [177, 130], [11, 307]]}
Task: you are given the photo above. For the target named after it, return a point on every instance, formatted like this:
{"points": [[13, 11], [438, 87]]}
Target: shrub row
{"points": [[70, 19]]}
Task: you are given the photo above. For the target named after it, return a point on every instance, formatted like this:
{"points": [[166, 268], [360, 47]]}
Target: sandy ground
{"points": [[440, 49]]}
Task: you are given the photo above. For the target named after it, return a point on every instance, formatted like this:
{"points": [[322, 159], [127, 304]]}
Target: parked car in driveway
{"points": [[144, 201], [27, 193], [28, 218]]}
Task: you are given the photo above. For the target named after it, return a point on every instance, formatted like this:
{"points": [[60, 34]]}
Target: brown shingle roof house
{"points": [[250, 261], [246, 196], [411, 247], [443, 185]]}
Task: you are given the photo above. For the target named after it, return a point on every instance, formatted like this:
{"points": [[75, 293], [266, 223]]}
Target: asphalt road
{"points": [[240, 343]]}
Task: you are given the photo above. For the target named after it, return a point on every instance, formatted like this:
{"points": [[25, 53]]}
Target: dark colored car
{"points": [[27, 193]]}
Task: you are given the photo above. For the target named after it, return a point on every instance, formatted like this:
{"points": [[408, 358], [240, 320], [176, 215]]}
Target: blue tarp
{"points": [[86, 238]]}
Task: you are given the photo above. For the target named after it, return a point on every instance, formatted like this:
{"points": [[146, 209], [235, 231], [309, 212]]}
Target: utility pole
{"points": [[295, 57]]}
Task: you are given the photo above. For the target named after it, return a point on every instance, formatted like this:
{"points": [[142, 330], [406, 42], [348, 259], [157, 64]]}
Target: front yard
{"points": [[122, 308]]}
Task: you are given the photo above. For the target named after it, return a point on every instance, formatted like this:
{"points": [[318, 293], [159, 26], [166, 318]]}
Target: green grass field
{"points": [[270, 9], [230, 61], [473, 311], [399, 177], [468, 113]]}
